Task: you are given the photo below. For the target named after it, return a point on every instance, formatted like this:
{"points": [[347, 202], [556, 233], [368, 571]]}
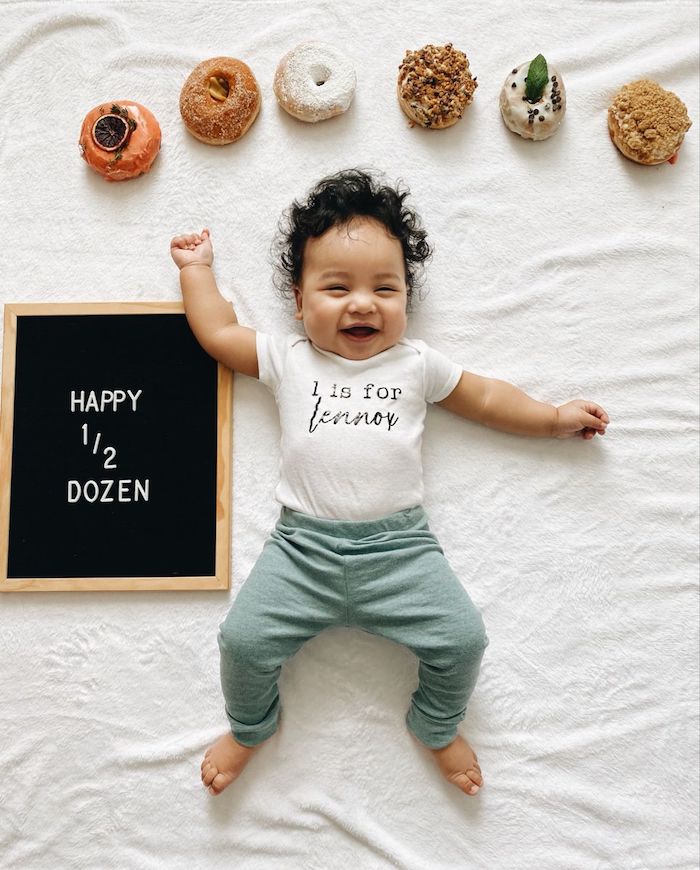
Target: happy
{"points": [[102, 400]]}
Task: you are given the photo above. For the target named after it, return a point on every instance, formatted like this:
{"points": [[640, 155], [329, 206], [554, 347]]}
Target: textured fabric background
{"points": [[559, 266]]}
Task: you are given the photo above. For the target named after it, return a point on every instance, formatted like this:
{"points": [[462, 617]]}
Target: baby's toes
{"points": [[474, 773], [209, 773], [467, 782], [219, 783]]}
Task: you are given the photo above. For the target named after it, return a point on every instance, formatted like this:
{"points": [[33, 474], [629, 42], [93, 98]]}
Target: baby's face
{"points": [[352, 296]]}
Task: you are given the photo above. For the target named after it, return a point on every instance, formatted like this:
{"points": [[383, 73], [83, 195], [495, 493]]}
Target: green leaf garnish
{"points": [[537, 77]]}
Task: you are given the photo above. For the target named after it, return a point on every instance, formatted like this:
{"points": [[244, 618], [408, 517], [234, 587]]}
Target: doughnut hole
{"points": [[218, 86], [320, 73]]}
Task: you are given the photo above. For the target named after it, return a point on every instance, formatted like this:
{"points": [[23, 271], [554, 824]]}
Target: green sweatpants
{"points": [[388, 577]]}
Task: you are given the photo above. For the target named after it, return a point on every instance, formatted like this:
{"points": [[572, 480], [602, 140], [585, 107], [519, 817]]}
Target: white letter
{"points": [[72, 495], [144, 489], [119, 396], [105, 400], [106, 491], [122, 488], [95, 491], [134, 397], [74, 401]]}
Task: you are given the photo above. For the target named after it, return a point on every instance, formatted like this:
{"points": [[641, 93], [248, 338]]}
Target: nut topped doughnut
{"points": [[119, 139], [648, 123], [220, 100], [435, 85], [314, 81]]}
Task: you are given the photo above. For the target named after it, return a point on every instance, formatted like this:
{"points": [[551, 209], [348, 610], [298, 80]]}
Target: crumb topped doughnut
{"points": [[435, 85], [120, 139], [533, 99], [648, 123], [220, 100], [314, 81]]}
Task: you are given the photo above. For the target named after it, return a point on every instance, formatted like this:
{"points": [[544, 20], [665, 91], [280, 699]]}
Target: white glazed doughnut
{"points": [[314, 81], [537, 118]]}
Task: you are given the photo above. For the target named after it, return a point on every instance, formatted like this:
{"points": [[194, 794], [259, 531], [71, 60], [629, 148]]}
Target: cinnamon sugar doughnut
{"points": [[435, 85], [647, 123], [314, 81], [220, 100], [119, 139]]}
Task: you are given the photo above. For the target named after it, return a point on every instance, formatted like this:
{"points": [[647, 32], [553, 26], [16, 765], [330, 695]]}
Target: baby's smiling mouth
{"points": [[359, 331]]}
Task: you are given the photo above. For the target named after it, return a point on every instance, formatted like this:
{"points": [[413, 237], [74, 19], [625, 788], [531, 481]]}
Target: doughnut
{"points": [[647, 123], [220, 100], [314, 81], [119, 139], [435, 86], [533, 99]]}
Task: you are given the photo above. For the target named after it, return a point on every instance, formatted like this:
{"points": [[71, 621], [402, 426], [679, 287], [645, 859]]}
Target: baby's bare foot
{"points": [[223, 762], [459, 765]]}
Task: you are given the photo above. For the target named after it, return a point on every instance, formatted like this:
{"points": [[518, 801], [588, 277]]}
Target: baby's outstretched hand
{"points": [[192, 248], [580, 418]]}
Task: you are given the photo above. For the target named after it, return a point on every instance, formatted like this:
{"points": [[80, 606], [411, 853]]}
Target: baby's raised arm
{"points": [[211, 318]]}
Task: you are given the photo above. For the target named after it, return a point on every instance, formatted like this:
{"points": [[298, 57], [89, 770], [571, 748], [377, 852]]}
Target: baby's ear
{"points": [[297, 299]]}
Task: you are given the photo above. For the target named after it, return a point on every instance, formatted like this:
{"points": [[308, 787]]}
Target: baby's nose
{"points": [[362, 301]]}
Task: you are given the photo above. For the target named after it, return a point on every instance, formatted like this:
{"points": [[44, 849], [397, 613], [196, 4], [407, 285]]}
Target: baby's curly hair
{"points": [[335, 201]]}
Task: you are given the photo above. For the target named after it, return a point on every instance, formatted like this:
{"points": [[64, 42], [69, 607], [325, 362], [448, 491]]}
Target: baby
{"points": [[352, 545]]}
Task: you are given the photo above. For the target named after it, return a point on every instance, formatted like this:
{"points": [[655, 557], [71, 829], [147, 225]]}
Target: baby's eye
{"points": [[387, 290], [336, 289]]}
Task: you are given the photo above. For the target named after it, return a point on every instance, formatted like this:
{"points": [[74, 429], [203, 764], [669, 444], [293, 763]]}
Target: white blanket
{"points": [[559, 266]]}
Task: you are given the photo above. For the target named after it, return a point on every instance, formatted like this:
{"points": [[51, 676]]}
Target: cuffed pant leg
{"points": [[290, 596], [411, 595], [447, 674]]}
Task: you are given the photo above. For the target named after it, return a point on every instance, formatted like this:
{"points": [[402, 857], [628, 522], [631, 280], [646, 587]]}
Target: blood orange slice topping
{"points": [[110, 132]]}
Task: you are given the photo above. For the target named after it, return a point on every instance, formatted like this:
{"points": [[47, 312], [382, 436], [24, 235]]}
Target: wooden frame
{"points": [[220, 579]]}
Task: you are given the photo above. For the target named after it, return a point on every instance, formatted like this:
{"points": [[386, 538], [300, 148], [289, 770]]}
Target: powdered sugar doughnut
{"points": [[314, 81]]}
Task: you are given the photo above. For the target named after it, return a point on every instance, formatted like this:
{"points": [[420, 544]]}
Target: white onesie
{"points": [[352, 429]]}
